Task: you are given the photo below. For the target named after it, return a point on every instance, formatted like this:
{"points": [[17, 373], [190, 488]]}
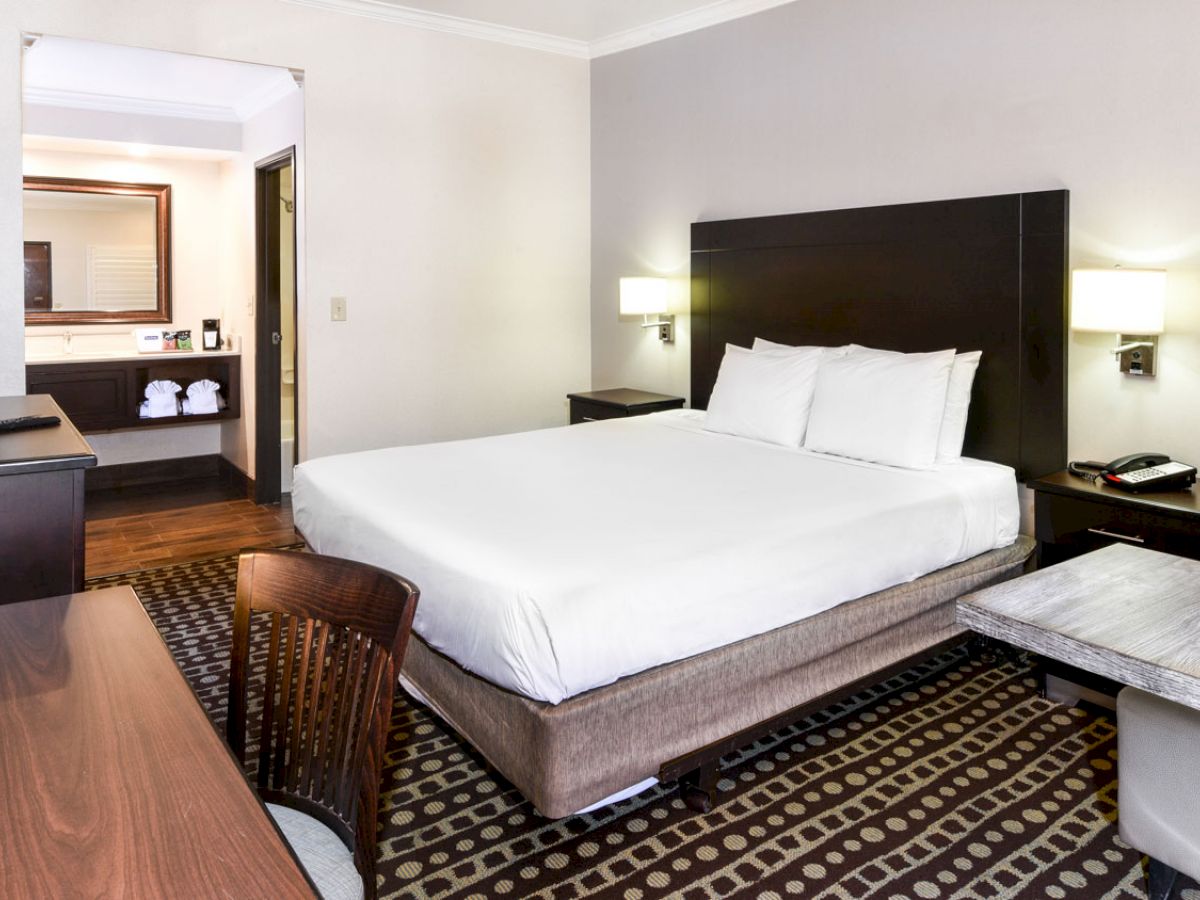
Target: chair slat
{"points": [[303, 685], [370, 694], [316, 701], [338, 747], [329, 701], [268, 714], [344, 799], [285, 703]]}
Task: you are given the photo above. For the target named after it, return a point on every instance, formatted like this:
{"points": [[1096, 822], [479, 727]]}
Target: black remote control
{"points": [[22, 422]]}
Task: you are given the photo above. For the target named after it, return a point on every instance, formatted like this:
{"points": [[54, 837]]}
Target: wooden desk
{"points": [[1126, 613], [41, 503], [113, 782]]}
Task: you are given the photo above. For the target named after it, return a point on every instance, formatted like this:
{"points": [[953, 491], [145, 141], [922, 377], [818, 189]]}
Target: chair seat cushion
{"points": [[328, 863], [1158, 794]]}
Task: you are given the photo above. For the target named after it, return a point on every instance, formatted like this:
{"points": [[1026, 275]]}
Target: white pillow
{"points": [[958, 403], [765, 396], [958, 400], [763, 344], [885, 408]]}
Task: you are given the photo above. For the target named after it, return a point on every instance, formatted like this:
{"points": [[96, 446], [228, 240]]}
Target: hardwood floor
{"points": [[148, 528]]}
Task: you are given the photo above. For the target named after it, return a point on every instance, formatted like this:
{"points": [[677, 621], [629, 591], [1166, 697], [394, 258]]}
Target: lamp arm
{"points": [[1117, 351]]}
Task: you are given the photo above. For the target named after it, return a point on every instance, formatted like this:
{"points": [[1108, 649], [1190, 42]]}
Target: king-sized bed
{"points": [[617, 602]]}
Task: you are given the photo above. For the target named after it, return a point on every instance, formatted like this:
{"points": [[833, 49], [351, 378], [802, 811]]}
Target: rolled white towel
{"points": [[162, 405], [162, 386], [144, 409], [203, 396]]}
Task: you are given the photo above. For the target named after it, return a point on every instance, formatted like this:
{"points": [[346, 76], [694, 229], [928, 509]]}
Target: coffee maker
{"points": [[211, 334]]}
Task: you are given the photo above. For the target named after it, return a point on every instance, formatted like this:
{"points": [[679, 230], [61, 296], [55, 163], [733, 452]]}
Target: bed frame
{"points": [[977, 274]]}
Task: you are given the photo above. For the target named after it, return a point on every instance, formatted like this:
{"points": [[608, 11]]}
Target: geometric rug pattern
{"points": [[950, 780]]}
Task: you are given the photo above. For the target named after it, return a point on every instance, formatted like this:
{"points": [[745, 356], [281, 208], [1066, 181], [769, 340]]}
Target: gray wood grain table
{"points": [[1127, 613]]}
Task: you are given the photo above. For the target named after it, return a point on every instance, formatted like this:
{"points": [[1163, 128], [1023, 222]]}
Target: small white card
{"points": [[149, 340]]}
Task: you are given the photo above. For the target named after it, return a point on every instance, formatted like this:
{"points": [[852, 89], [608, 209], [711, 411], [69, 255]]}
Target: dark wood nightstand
{"points": [[1073, 516], [618, 403]]}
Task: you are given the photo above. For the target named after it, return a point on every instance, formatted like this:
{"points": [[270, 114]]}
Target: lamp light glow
{"points": [[643, 296], [648, 296], [1128, 302]]}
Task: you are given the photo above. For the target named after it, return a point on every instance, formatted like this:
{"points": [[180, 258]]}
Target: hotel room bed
{"points": [[607, 603], [558, 561]]}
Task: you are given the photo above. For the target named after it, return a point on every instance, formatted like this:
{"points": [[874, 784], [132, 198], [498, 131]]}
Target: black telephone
{"points": [[1138, 472]]}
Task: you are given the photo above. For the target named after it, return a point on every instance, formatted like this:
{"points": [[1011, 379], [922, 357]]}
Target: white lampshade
{"points": [[643, 296], [1120, 301]]}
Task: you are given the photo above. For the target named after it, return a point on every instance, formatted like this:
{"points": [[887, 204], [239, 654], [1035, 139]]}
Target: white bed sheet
{"points": [[556, 561]]}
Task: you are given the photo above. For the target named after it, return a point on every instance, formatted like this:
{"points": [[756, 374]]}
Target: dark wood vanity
{"points": [[41, 503], [104, 394]]}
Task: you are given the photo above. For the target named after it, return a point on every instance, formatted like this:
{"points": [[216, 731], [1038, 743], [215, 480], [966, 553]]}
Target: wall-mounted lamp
{"points": [[1129, 302], [648, 297]]}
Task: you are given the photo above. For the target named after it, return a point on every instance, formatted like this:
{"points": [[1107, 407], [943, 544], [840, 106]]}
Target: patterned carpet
{"points": [[952, 780]]}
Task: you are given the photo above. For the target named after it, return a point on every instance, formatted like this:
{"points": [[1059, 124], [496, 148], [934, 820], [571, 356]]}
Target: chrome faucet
{"points": [[67, 341]]}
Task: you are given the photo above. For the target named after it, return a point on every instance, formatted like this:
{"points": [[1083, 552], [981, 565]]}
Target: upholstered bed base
{"points": [[565, 757]]}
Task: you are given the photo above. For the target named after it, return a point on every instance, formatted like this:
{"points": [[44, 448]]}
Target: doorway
{"points": [[275, 333]]}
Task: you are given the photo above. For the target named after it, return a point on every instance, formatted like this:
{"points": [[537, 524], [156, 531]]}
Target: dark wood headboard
{"points": [[986, 273]]}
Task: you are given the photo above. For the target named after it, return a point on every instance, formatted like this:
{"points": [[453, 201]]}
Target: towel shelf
{"points": [[103, 395]]}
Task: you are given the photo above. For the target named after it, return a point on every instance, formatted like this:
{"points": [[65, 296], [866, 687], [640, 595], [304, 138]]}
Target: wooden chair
{"points": [[337, 635]]}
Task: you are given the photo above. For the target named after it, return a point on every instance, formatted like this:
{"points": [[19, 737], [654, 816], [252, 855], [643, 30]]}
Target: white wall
{"points": [[446, 197], [270, 131], [131, 128], [833, 103]]}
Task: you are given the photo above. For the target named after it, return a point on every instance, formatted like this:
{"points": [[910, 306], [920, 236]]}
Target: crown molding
{"points": [[695, 20], [405, 15], [706, 16], [132, 105]]}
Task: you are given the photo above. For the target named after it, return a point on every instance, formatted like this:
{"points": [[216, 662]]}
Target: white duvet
{"points": [[552, 562]]}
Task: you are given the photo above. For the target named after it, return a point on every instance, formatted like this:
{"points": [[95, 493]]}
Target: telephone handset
{"points": [[1139, 472]]}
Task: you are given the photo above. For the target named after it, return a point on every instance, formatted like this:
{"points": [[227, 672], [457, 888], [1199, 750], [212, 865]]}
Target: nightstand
{"points": [[1073, 516], [619, 403]]}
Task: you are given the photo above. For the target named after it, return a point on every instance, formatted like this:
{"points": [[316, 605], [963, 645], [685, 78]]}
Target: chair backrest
{"points": [[337, 634]]}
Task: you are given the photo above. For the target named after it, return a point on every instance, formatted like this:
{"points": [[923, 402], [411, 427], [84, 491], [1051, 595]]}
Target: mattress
{"points": [[557, 561]]}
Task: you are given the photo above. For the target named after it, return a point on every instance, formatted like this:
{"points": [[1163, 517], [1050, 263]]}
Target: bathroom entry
{"points": [[275, 333]]}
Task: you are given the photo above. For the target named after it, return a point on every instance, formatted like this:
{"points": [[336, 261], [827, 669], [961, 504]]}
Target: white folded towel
{"points": [[189, 409], [162, 405], [162, 386], [161, 399], [144, 409], [202, 396]]}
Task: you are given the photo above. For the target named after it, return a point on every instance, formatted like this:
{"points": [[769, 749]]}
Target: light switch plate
{"points": [[337, 309]]}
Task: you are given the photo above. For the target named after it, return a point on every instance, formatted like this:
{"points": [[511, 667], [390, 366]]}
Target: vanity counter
{"points": [[103, 392], [91, 356]]}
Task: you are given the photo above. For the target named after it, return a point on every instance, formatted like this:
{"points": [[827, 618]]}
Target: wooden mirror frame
{"points": [[162, 239]]}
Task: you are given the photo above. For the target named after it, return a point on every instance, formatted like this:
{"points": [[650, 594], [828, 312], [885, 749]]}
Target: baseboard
{"points": [[153, 471], [236, 477], [166, 471]]}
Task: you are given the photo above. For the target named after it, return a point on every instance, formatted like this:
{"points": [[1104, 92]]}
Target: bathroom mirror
{"points": [[96, 251]]}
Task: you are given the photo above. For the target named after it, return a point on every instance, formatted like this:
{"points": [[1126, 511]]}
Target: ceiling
{"points": [[584, 28], [88, 75]]}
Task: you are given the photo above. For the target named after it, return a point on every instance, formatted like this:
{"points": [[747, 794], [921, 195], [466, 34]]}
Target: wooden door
{"points": [[37, 276]]}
